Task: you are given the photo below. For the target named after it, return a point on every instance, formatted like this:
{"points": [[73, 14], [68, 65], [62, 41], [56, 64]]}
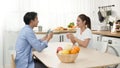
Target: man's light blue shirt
{"points": [[25, 42]]}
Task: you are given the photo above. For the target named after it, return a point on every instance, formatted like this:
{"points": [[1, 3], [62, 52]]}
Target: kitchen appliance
{"points": [[113, 47], [107, 44]]}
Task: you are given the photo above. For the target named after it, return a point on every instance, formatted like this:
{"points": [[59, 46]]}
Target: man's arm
{"points": [[34, 42]]}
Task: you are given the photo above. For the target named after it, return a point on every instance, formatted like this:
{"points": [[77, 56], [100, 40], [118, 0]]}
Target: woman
{"points": [[83, 35]]}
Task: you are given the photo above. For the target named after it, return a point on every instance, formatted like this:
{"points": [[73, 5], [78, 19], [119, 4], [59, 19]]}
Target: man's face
{"points": [[35, 21]]}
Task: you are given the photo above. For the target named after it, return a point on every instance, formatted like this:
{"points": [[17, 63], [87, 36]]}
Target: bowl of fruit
{"points": [[68, 54]]}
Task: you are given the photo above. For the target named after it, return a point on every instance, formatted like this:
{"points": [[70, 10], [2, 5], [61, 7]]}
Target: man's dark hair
{"points": [[29, 16]]}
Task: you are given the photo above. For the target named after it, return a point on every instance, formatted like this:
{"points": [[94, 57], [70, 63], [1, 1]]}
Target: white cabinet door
{"points": [[39, 36], [64, 38], [55, 37], [97, 37], [115, 42], [111, 40], [96, 41]]}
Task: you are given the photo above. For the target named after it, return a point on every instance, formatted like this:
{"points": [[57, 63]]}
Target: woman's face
{"points": [[80, 23]]}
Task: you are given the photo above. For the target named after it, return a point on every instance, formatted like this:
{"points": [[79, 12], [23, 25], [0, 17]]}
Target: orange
{"points": [[77, 48], [73, 51]]}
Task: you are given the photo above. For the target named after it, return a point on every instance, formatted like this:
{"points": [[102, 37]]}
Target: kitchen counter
{"points": [[58, 32], [107, 33]]}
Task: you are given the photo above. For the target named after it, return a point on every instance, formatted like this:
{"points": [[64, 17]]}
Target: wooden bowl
{"points": [[67, 58]]}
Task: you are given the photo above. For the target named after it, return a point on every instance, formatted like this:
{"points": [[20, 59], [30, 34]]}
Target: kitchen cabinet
{"points": [[39, 36], [111, 40], [96, 41], [97, 37], [115, 43], [63, 38], [56, 37], [101, 42]]}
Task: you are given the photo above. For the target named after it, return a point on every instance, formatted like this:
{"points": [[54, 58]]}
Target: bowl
{"points": [[67, 58]]}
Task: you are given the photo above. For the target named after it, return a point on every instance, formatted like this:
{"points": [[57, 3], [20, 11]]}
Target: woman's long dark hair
{"points": [[83, 17]]}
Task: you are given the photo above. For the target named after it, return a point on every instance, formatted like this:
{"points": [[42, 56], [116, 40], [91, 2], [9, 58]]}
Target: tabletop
{"points": [[86, 57]]}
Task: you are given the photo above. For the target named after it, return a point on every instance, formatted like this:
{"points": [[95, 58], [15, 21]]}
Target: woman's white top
{"points": [[86, 34]]}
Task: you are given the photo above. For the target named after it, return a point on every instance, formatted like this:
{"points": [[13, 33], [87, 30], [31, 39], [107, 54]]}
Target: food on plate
{"points": [[60, 28], [71, 25]]}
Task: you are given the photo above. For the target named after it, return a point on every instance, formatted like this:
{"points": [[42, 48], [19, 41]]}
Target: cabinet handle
{"points": [[109, 41], [97, 38], [60, 38]]}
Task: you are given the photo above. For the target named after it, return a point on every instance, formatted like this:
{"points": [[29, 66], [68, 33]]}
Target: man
{"points": [[27, 41]]}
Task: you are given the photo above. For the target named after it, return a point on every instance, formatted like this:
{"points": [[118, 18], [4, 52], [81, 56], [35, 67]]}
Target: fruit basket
{"points": [[67, 58], [68, 54]]}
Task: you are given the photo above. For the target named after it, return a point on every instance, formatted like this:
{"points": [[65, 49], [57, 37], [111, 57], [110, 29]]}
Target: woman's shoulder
{"points": [[88, 30]]}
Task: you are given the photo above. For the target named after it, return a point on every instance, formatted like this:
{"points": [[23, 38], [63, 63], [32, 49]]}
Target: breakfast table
{"points": [[87, 58]]}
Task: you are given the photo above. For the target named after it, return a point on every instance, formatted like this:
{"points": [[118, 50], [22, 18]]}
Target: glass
{"points": [[39, 28]]}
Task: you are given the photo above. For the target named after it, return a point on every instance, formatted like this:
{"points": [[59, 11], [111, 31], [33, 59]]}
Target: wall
{"points": [[9, 21], [1, 47], [1, 34], [115, 10], [10, 38], [52, 12]]}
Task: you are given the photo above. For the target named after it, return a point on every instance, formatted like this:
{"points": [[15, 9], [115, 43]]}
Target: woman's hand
{"points": [[71, 37], [67, 35]]}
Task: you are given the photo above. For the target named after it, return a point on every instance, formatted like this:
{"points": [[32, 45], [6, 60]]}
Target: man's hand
{"points": [[49, 36], [44, 38]]}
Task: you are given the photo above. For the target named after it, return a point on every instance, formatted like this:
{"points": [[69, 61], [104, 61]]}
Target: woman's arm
{"points": [[72, 40], [70, 36], [82, 43]]}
